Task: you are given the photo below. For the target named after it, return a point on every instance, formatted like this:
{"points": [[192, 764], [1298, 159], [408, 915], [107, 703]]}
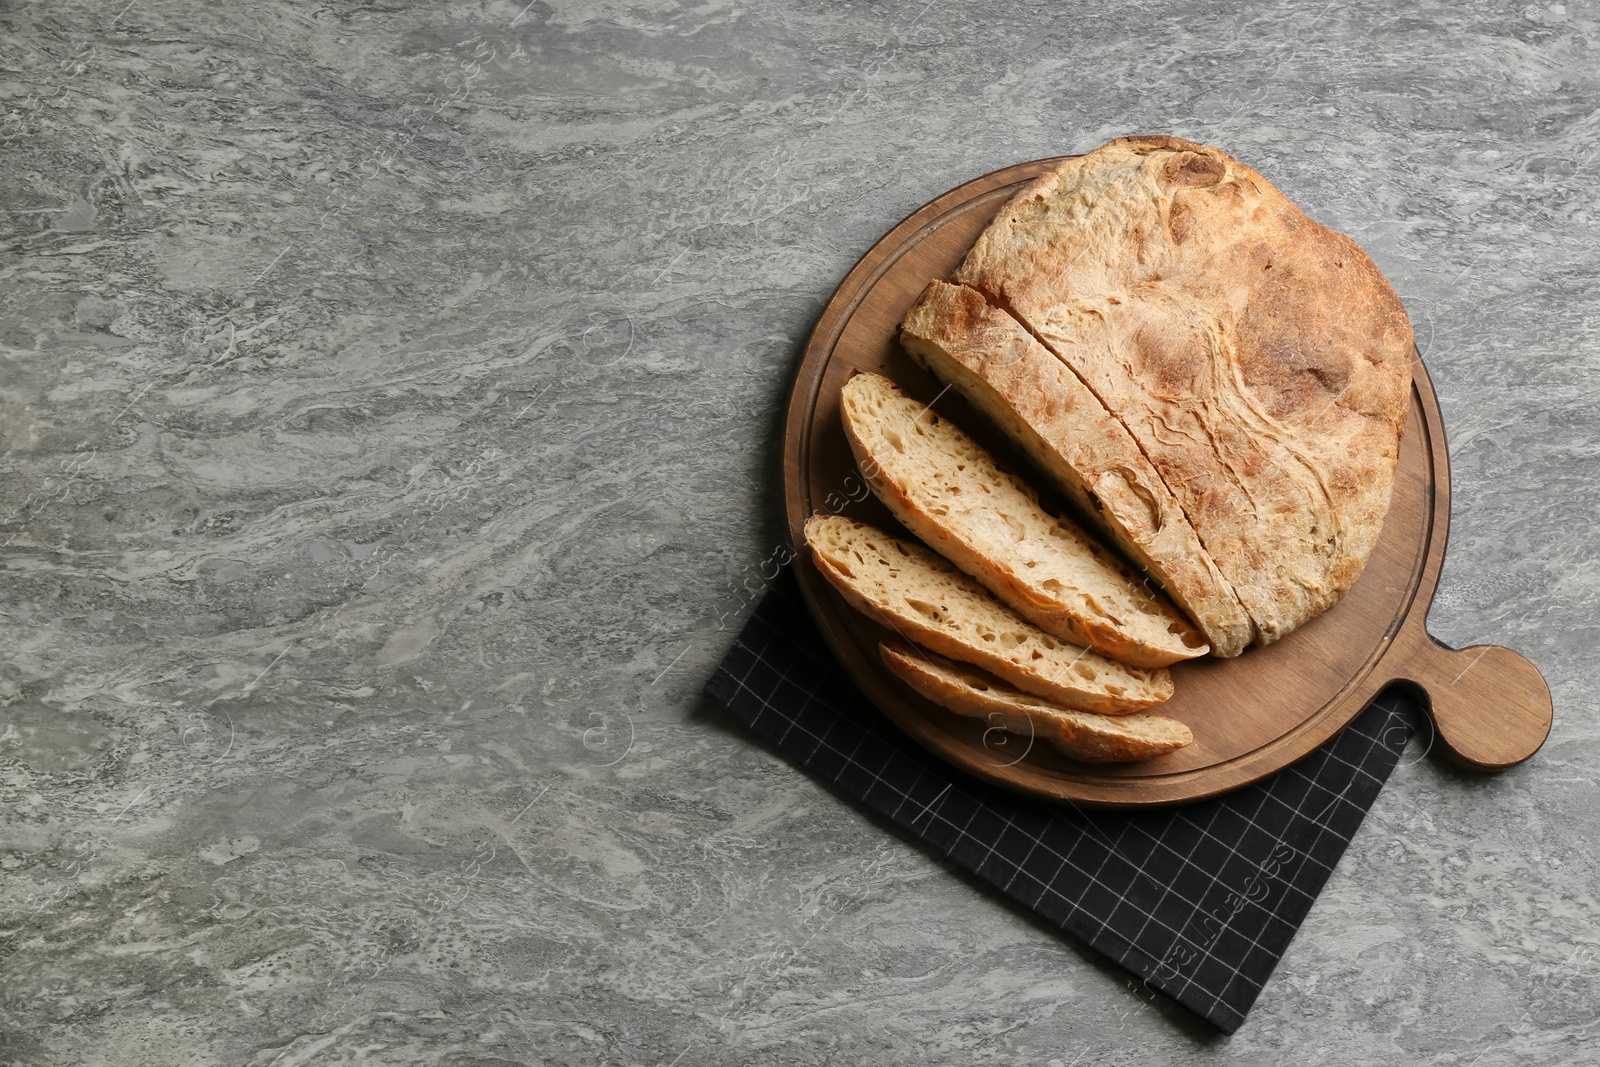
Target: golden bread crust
{"points": [[1258, 358]]}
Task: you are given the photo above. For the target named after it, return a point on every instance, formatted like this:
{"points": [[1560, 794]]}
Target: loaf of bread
{"points": [[1259, 360], [1091, 738], [925, 599], [1036, 399], [945, 488]]}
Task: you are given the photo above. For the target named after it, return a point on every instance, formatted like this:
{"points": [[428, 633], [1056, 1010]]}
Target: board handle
{"points": [[1490, 706]]}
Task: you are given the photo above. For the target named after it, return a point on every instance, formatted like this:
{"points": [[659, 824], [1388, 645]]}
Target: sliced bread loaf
{"points": [[921, 596], [1083, 736], [1261, 360], [1036, 399], [949, 491]]}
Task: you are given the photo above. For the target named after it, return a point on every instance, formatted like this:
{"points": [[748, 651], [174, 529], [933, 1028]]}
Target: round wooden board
{"points": [[1251, 716]]}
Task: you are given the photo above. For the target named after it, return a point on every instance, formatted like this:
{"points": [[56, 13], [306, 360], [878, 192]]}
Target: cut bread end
{"points": [[1083, 736], [949, 491], [1037, 401], [921, 596]]}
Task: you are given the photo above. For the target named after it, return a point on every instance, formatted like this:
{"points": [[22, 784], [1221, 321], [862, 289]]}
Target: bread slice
{"points": [[921, 596], [948, 491], [1031, 395], [1083, 736], [1260, 360]]}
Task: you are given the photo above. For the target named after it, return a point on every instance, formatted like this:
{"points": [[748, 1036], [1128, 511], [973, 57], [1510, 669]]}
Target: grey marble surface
{"points": [[389, 396]]}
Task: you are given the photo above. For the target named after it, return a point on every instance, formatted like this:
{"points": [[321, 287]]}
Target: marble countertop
{"points": [[389, 396]]}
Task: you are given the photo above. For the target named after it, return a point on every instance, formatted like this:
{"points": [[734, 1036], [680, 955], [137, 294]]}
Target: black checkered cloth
{"points": [[1200, 901]]}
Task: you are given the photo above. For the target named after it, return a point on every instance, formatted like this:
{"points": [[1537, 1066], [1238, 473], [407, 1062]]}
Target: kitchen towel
{"points": [[1199, 901]]}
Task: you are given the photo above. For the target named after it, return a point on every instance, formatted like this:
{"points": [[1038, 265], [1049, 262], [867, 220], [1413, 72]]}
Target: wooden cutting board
{"points": [[1251, 716]]}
